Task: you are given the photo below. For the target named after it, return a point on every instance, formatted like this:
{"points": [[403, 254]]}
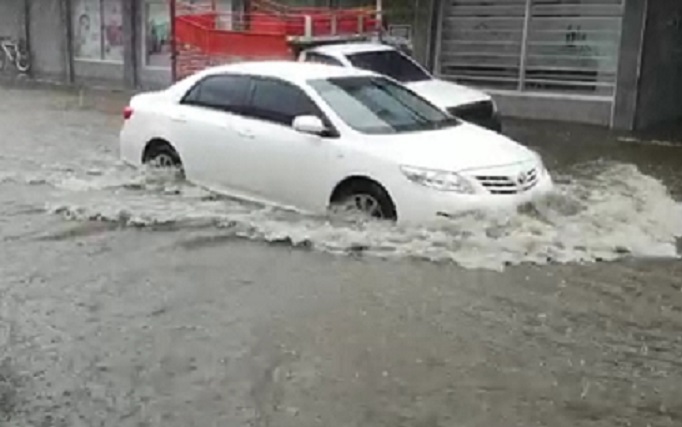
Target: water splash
{"points": [[600, 211]]}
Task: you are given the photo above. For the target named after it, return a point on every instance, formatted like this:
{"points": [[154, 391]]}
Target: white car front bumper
{"points": [[417, 204]]}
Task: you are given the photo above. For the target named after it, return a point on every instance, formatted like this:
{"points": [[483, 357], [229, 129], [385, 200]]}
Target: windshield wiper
{"points": [[449, 121], [419, 117]]}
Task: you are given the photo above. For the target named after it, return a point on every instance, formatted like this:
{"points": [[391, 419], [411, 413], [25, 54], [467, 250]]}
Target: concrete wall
{"points": [[47, 39], [660, 85], [547, 106], [11, 18], [97, 73], [46, 35]]}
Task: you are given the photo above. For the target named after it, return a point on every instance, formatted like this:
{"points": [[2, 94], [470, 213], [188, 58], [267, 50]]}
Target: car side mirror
{"points": [[309, 124]]}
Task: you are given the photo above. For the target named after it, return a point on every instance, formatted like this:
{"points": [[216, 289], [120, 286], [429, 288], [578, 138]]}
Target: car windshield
{"points": [[376, 105], [390, 63]]}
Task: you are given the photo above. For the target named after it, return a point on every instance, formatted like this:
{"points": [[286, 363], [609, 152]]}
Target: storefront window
{"points": [[98, 32], [157, 30]]}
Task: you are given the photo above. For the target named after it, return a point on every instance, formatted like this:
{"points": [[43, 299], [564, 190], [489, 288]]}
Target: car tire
{"points": [[366, 197], [162, 155]]}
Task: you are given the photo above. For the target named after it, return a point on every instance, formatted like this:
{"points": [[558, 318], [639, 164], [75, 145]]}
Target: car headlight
{"points": [[438, 180], [542, 169]]}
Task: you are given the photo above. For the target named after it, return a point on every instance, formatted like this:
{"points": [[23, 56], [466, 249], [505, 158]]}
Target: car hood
{"points": [[446, 94], [460, 148]]}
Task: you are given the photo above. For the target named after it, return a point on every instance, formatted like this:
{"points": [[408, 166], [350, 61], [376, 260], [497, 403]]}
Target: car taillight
{"points": [[127, 113]]}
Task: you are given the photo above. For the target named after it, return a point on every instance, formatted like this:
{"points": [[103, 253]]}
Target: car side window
{"points": [[224, 92], [280, 102], [322, 59]]}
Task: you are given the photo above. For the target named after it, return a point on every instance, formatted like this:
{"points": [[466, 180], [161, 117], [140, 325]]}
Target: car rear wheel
{"points": [[160, 155], [366, 198]]}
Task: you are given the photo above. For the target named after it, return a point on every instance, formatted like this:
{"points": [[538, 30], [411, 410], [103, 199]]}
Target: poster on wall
{"points": [[157, 42], [87, 31], [112, 30]]}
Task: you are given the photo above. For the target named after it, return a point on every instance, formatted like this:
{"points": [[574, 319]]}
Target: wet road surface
{"points": [[127, 299]]}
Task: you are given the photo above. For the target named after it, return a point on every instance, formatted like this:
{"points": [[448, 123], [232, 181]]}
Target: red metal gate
{"points": [[204, 36]]}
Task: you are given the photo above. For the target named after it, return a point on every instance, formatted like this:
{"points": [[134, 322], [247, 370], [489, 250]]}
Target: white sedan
{"points": [[472, 105], [309, 136]]}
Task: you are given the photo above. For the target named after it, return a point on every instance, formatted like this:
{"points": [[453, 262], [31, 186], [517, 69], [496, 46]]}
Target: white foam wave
{"points": [[603, 212], [7, 177]]}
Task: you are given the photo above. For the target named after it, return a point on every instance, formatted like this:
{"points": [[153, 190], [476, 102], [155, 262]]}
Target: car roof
{"points": [[292, 71], [351, 48]]}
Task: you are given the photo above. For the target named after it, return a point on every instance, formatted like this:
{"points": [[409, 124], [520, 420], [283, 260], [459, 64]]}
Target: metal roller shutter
{"points": [[568, 46]]}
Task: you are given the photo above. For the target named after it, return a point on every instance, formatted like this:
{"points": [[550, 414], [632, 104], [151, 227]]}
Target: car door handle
{"points": [[246, 133], [179, 118]]}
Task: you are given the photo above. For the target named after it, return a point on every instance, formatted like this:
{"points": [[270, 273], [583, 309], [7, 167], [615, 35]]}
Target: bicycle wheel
{"points": [[22, 62]]}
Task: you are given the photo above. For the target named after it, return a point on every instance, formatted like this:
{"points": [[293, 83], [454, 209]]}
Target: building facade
{"points": [[107, 42], [615, 63]]}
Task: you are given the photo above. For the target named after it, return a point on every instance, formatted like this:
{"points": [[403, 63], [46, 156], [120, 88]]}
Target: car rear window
{"points": [[390, 63]]}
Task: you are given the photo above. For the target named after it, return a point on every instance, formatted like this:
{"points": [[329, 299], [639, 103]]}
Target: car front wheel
{"points": [[366, 198]]}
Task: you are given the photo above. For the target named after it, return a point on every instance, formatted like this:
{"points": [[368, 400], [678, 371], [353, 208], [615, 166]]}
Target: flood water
{"points": [[130, 298]]}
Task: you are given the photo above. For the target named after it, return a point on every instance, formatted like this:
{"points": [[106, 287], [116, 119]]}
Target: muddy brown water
{"points": [[128, 299]]}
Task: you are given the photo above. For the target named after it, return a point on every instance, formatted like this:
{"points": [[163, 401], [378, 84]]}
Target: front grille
{"points": [[499, 184], [476, 112]]}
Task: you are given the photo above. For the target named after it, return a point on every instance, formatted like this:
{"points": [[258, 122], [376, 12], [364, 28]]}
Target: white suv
{"points": [[468, 104]]}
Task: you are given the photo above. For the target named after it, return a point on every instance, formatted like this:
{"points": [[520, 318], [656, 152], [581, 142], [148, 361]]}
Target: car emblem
{"points": [[522, 178]]}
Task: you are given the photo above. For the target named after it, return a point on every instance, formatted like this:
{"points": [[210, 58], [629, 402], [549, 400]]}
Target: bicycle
{"points": [[14, 53]]}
